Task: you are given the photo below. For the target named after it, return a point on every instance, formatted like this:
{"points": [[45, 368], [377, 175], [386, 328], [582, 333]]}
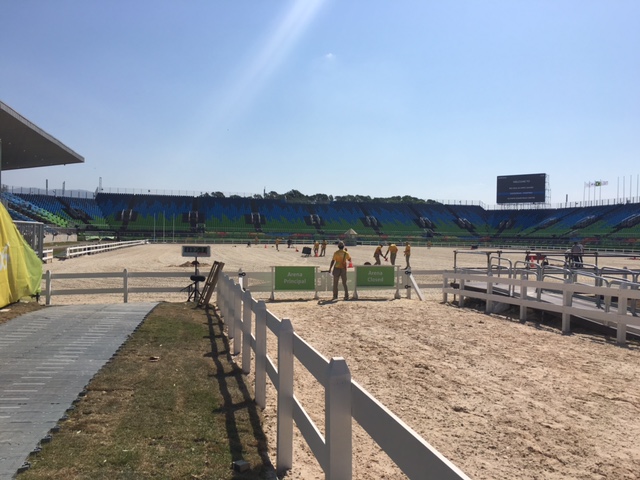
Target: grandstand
{"points": [[213, 219]]}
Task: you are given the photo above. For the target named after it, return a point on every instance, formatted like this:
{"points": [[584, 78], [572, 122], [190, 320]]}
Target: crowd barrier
{"points": [[247, 322]]}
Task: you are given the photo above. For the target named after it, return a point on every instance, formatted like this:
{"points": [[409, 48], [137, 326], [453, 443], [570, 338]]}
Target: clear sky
{"points": [[432, 99]]}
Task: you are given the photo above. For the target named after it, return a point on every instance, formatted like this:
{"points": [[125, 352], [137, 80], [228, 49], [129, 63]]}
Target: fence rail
{"points": [[561, 295], [124, 290], [247, 321], [90, 249]]}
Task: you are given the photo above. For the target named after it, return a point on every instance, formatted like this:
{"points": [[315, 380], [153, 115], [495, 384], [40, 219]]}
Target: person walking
{"points": [[407, 254], [338, 268], [377, 254], [316, 247], [392, 250], [323, 247]]}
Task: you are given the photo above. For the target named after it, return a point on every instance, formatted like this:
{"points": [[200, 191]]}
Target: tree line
{"points": [[295, 196]]}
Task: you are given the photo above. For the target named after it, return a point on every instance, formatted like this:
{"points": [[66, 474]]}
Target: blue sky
{"points": [[432, 99]]}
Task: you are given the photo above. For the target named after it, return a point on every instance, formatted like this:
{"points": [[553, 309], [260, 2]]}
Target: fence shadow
{"points": [[227, 372]]}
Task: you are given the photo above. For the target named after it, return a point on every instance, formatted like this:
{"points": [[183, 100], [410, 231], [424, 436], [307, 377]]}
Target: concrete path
{"points": [[46, 360]]}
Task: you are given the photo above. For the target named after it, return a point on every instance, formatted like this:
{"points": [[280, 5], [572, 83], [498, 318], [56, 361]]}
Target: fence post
{"points": [[489, 303], [48, 287], [231, 305], [247, 313], [125, 283], [237, 319], [284, 443], [523, 298], [261, 354], [621, 332], [567, 301], [338, 421], [444, 286]]}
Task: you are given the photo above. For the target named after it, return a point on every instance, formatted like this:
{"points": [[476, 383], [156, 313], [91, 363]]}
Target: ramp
{"points": [[46, 360]]}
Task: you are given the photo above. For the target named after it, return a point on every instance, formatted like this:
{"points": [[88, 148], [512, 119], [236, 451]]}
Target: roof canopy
{"points": [[24, 145]]}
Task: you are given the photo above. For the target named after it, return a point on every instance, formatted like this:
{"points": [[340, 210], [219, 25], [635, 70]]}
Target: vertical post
{"points": [[231, 305], [461, 301], [489, 303], [523, 298], [444, 286], [247, 313], [48, 287], [284, 443], [621, 332], [237, 319], [125, 285], [261, 354], [567, 301], [273, 284], [407, 284], [338, 421]]}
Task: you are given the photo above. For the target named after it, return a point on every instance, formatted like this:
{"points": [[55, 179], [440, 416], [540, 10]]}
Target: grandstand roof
{"points": [[24, 145]]}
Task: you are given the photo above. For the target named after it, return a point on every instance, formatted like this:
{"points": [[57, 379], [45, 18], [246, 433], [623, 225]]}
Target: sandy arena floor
{"points": [[500, 399]]}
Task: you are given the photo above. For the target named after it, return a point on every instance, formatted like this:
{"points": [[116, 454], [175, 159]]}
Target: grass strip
{"points": [[170, 405]]}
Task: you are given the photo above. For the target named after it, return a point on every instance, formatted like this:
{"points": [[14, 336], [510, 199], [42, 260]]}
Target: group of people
{"points": [[341, 261], [322, 247], [392, 252]]}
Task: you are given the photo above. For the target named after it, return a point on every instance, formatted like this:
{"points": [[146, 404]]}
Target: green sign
{"points": [[295, 278], [375, 276]]}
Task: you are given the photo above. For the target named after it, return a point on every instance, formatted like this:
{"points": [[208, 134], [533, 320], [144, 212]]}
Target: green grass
{"points": [[171, 405]]}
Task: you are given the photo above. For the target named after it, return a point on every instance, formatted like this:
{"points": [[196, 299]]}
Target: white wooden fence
{"points": [[564, 297], [247, 321], [50, 278], [92, 248]]}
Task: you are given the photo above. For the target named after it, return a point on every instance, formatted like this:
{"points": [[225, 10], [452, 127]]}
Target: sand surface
{"points": [[500, 399]]}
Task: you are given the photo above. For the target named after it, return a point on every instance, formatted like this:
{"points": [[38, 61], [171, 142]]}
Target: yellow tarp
{"points": [[20, 267]]}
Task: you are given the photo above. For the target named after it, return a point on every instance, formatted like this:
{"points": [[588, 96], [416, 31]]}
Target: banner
{"points": [[375, 276], [20, 267], [295, 278]]}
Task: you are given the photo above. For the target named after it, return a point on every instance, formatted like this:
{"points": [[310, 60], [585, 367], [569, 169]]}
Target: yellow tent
{"points": [[20, 267]]}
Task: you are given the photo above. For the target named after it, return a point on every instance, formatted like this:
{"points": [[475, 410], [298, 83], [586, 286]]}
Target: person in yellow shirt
{"points": [[407, 254], [392, 250], [316, 247], [377, 254], [338, 269], [323, 247]]}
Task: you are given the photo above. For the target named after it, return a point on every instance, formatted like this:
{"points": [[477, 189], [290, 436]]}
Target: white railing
{"points": [[247, 321], [92, 248], [47, 255], [564, 297], [124, 290]]}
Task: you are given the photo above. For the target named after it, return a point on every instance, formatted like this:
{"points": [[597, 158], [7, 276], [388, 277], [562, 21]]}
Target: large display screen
{"points": [[530, 188]]}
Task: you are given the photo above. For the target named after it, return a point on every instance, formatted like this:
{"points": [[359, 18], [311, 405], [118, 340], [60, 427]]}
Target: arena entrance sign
{"points": [[294, 279], [377, 277]]}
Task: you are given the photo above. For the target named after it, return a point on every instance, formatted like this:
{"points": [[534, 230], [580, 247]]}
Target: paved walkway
{"points": [[46, 360]]}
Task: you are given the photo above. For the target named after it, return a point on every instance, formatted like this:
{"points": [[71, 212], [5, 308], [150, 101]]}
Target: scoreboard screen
{"points": [[196, 251], [522, 188]]}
